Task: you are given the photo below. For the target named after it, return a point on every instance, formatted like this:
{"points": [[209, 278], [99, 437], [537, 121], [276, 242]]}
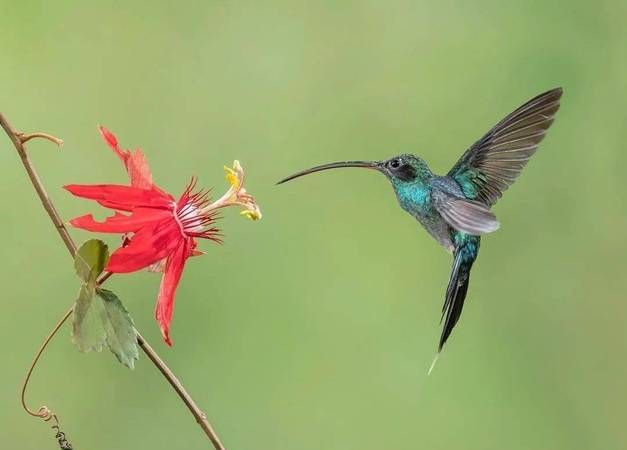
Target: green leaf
{"points": [[90, 260], [88, 331], [120, 331], [100, 320]]}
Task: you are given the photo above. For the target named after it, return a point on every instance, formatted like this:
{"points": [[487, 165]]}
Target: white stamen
{"points": [[188, 213]]}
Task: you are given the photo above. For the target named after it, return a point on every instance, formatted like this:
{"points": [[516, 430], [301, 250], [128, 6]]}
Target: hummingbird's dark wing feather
{"points": [[464, 215], [492, 164]]}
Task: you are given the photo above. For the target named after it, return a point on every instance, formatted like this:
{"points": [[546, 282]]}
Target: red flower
{"points": [[159, 228]]}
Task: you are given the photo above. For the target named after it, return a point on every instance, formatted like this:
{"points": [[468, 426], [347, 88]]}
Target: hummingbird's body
{"points": [[417, 199], [455, 209]]}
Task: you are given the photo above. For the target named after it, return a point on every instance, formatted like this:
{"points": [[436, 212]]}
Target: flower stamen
{"points": [[191, 214]]}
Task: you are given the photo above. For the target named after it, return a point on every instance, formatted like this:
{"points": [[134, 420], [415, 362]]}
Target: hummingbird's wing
{"points": [[468, 216], [492, 164]]}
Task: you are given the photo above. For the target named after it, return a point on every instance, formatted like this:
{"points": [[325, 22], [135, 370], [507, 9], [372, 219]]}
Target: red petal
{"points": [[146, 247], [138, 170], [167, 291], [135, 163], [121, 223], [111, 140], [120, 197]]}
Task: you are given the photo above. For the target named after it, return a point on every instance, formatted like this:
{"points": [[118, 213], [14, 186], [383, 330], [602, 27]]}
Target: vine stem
{"points": [[19, 140]]}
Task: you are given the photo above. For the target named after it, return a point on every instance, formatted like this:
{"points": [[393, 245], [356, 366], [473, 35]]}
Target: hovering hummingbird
{"points": [[455, 208]]}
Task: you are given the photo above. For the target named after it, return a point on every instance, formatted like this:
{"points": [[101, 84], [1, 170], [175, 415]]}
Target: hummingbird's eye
{"points": [[395, 163]]}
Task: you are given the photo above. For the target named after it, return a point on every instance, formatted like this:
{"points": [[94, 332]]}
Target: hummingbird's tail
{"points": [[465, 254]]}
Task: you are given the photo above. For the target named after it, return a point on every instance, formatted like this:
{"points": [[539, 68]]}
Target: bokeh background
{"points": [[315, 327]]}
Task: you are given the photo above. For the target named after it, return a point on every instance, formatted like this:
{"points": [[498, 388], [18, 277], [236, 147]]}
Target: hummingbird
{"points": [[455, 209]]}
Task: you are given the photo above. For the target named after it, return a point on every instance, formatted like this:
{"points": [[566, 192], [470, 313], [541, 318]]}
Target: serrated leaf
{"points": [[91, 259], [88, 331], [100, 320], [121, 337]]}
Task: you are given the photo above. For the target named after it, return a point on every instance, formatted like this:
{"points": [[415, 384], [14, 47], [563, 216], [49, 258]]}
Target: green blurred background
{"points": [[315, 327]]}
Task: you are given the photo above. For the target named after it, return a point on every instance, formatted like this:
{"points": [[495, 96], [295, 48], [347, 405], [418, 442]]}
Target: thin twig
{"points": [[18, 140], [37, 184], [200, 416], [43, 412], [24, 138]]}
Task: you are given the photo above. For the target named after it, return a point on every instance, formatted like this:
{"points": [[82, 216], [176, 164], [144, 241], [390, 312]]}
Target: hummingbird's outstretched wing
{"points": [[467, 216], [492, 164]]}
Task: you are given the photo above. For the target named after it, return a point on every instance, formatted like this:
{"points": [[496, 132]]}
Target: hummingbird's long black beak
{"points": [[336, 165]]}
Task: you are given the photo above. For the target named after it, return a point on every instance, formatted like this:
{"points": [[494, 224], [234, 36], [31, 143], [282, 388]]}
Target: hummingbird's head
{"points": [[399, 169], [405, 168]]}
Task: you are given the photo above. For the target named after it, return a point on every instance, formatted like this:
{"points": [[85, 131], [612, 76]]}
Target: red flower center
{"points": [[191, 215]]}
